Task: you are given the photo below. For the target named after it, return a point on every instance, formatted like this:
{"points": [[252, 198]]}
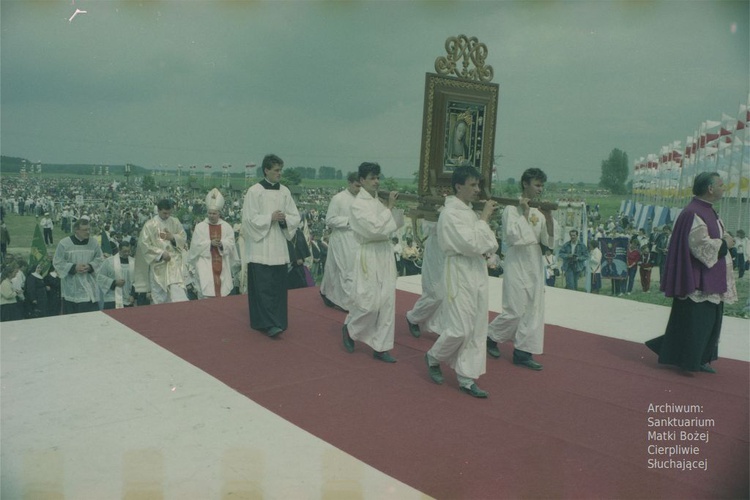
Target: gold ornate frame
{"points": [[458, 129]]}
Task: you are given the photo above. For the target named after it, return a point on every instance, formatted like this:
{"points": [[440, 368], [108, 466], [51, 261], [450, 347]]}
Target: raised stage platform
{"points": [[184, 401]]}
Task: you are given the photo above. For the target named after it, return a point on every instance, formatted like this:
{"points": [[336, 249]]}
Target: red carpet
{"points": [[578, 429]]}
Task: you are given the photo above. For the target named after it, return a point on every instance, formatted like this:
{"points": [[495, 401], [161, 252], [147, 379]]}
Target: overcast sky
{"points": [[340, 82]]}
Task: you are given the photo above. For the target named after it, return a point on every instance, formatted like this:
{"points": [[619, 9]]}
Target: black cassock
{"points": [[692, 335], [266, 296], [298, 250]]}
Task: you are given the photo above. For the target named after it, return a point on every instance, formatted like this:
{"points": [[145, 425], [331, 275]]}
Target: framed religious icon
{"points": [[458, 129]]}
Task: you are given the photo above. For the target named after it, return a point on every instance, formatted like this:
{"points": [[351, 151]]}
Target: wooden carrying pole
{"points": [[438, 200]]}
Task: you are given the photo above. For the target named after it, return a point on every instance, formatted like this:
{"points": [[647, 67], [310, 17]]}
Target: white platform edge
{"points": [[92, 410], [609, 316]]}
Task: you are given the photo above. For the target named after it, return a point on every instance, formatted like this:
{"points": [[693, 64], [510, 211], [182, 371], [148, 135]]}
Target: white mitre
{"points": [[214, 200]]}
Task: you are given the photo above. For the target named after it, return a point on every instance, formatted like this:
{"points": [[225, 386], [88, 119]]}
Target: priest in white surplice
{"points": [[269, 219], [522, 318], [372, 310], [162, 246], [213, 252], [77, 260], [461, 319], [115, 278], [336, 288]]}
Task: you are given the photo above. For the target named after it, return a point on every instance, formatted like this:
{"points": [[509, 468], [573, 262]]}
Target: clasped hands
{"points": [[166, 235]]}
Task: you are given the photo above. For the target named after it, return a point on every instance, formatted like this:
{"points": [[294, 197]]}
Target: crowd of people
{"points": [[646, 251], [125, 250], [118, 213]]}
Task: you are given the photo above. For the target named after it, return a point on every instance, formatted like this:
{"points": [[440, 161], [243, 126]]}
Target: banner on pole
{"points": [[614, 257]]}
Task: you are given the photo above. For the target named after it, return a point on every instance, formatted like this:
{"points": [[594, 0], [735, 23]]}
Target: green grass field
{"points": [[21, 229]]}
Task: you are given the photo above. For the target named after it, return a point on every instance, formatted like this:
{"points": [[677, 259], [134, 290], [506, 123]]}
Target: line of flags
{"points": [[715, 146]]}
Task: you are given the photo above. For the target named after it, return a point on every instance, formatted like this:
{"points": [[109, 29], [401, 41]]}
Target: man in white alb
{"points": [[522, 318], [461, 319], [336, 288], [372, 309], [433, 261], [77, 260], [269, 219]]}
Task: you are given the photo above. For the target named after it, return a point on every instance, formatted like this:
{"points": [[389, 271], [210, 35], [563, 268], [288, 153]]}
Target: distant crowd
{"points": [[118, 211]]}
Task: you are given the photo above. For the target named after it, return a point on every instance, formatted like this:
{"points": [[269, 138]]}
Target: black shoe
{"points": [[348, 342], [413, 329], [492, 349], [528, 363], [383, 356], [331, 304], [706, 367], [524, 358], [474, 391], [434, 370], [274, 331]]}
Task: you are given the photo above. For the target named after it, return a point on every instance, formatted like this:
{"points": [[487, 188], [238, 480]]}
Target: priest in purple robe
{"points": [[699, 278]]}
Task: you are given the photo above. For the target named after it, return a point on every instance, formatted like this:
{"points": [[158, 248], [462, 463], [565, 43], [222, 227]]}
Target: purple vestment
{"points": [[685, 274]]}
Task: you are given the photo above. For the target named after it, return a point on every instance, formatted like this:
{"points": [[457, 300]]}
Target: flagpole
{"points": [[662, 169], [638, 180], [677, 160], [687, 169], [693, 167], [726, 208], [684, 171], [732, 197], [745, 120], [659, 170], [699, 157], [680, 168]]}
